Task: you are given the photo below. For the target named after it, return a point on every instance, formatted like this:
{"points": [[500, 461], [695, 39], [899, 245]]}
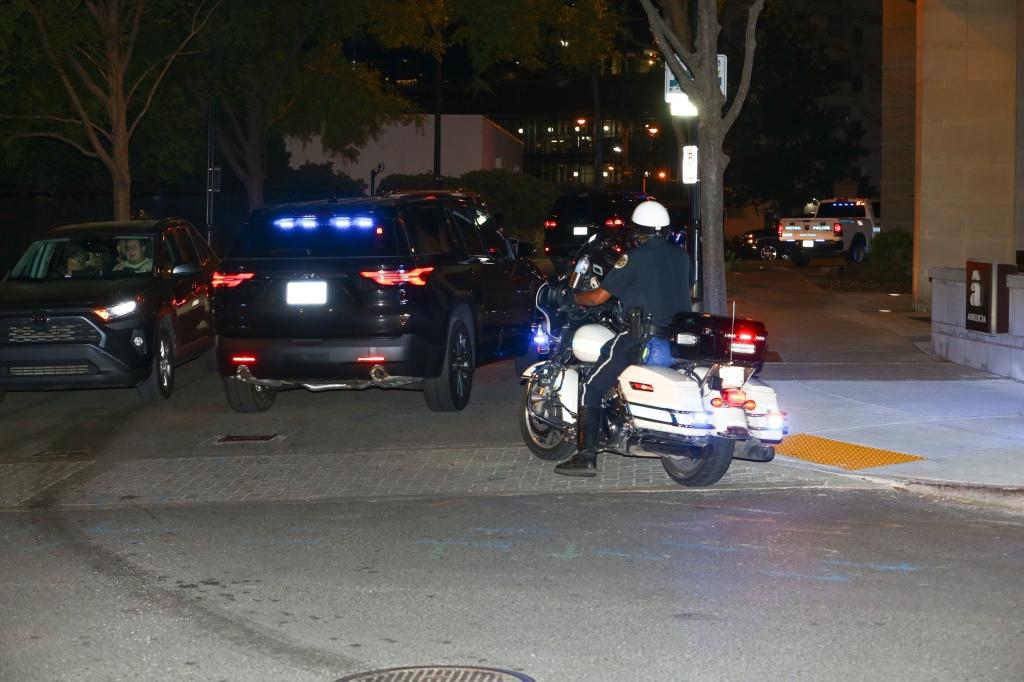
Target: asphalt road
{"points": [[369, 533]]}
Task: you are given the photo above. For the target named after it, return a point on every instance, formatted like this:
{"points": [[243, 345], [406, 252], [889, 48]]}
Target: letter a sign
{"points": [[979, 297]]}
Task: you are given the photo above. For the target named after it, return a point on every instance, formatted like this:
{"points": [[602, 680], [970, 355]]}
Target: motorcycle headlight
{"points": [[116, 311]]}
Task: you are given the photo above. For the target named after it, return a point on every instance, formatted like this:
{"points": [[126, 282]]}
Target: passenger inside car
{"points": [[135, 257]]}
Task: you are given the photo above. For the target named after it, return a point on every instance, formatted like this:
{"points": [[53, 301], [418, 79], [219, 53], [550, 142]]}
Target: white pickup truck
{"points": [[839, 226]]}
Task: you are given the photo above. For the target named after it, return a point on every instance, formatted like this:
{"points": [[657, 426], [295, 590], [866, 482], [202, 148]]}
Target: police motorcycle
{"points": [[696, 415]]}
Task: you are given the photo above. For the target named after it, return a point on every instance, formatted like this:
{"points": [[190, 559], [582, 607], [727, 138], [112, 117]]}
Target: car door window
{"points": [[470, 235], [202, 249], [429, 230], [485, 239], [186, 248]]}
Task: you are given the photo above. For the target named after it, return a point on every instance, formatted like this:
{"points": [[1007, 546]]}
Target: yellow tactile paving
{"points": [[839, 454]]}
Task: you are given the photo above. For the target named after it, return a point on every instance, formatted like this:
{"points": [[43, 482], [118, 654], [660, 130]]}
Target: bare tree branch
{"points": [[76, 101], [750, 43], [87, 81], [132, 31], [197, 25], [673, 49], [55, 136]]}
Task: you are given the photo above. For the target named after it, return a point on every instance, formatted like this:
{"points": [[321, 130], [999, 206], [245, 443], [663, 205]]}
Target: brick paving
{"points": [[348, 474]]}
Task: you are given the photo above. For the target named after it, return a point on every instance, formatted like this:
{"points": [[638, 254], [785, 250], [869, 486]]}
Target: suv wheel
{"points": [[450, 391], [160, 383], [247, 398]]}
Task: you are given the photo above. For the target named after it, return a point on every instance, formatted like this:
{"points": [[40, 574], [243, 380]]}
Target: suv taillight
{"points": [[230, 279], [550, 224], [390, 278], [614, 221]]}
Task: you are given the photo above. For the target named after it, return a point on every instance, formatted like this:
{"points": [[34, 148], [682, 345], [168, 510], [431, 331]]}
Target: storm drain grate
{"points": [[225, 440], [438, 674]]}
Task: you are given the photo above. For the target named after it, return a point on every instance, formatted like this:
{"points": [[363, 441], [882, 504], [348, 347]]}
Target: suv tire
{"points": [[450, 391], [246, 398], [159, 384]]}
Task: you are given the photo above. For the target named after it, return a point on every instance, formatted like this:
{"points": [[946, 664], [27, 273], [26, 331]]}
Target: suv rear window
{"points": [[591, 208], [335, 236]]}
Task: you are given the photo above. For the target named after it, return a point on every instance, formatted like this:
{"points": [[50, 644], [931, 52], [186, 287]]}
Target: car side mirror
{"points": [[183, 269]]}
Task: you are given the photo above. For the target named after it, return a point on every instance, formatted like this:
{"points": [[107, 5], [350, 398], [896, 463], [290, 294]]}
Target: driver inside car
{"points": [[657, 277]]}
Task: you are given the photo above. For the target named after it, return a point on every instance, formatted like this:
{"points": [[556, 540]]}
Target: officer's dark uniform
{"points": [[656, 277]]}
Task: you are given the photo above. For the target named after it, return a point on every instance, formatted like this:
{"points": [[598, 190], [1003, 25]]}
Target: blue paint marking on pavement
{"points": [[617, 554], [440, 546], [805, 576], [102, 527], [899, 568], [515, 531], [701, 545]]}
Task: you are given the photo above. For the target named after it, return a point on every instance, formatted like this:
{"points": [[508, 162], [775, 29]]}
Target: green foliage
{"points": [[315, 179], [523, 200], [888, 267]]}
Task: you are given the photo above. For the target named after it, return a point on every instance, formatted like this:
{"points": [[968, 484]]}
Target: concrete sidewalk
{"points": [[856, 368]]}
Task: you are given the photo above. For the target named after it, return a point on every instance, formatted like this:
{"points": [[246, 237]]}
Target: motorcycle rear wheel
{"points": [[546, 442], [699, 472]]}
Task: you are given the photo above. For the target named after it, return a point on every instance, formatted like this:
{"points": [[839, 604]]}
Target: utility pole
{"points": [[212, 174]]}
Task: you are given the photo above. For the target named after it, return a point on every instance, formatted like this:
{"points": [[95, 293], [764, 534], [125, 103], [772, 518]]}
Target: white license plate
{"points": [[808, 243], [579, 230], [731, 375], [306, 293]]}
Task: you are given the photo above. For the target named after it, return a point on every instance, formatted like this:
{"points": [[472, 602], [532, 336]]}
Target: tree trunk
{"points": [[121, 169], [598, 139], [713, 161]]}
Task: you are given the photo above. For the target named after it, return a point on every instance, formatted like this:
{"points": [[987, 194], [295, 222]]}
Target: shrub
{"points": [[523, 200]]}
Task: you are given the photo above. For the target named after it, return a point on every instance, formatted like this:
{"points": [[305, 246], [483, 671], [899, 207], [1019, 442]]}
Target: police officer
{"points": [[656, 276]]}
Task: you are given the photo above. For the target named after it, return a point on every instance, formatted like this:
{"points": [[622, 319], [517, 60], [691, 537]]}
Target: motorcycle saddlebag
{"points": [[717, 338]]}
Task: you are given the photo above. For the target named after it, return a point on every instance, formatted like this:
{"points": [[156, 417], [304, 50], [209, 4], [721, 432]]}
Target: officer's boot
{"points": [[584, 462]]}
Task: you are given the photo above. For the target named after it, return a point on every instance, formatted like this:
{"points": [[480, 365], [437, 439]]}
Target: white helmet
{"points": [[650, 217]]}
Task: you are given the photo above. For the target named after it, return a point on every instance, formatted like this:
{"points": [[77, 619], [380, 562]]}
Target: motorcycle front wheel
{"points": [[703, 470], [544, 441]]}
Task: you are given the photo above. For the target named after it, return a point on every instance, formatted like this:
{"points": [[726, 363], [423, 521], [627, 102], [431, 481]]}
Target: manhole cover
{"points": [[247, 439], [438, 674]]}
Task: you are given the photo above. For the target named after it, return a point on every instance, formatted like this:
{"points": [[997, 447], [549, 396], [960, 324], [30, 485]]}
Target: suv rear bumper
{"points": [[318, 360]]}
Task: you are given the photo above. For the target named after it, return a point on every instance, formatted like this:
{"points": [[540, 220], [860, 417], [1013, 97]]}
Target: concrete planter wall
{"points": [[1001, 354]]}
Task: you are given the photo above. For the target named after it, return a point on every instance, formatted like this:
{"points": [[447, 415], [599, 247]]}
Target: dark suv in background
{"points": [[575, 217], [407, 290]]}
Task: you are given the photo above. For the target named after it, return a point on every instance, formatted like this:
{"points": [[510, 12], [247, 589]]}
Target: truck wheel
{"points": [[247, 398], [450, 391], [858, 250]]}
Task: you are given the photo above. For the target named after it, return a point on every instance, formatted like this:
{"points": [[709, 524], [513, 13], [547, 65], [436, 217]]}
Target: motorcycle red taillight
{"points": [[733, 397]]}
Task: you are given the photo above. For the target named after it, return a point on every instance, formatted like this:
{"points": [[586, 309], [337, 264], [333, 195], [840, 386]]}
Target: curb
{"points": [[1007, 498]]}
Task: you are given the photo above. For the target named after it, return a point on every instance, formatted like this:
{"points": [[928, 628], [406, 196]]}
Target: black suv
{"points": [[575, 217], [408, 290], [105, 305]]}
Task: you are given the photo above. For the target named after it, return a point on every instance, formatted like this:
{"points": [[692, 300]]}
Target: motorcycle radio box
{"points": [[717, 338]]}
